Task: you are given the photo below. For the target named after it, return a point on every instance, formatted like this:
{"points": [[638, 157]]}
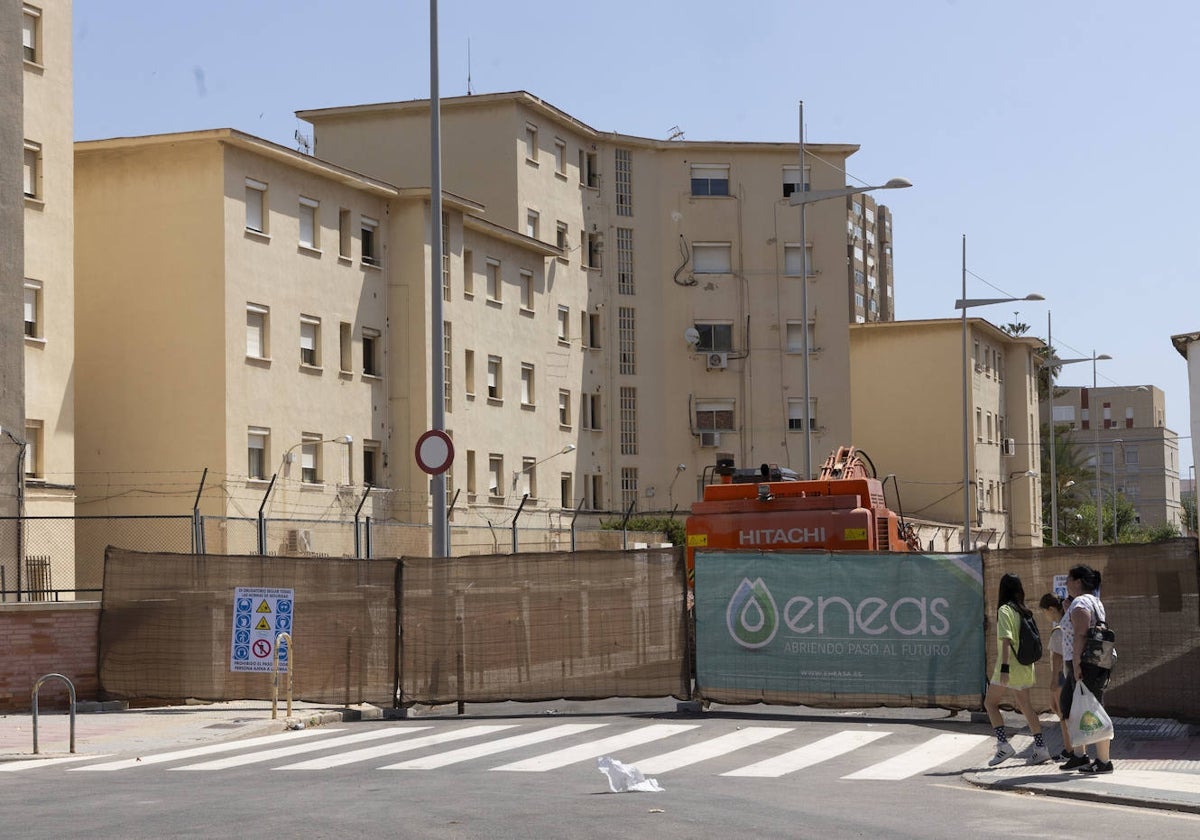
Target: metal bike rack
{"points": [[70, 688], [291, 668]]}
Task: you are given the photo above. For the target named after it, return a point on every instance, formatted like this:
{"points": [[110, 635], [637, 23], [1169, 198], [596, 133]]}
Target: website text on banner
{"points": [[843, 630]]}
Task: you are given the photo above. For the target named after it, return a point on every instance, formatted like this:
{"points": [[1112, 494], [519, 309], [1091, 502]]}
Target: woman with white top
{"points": [[1085, 610]]}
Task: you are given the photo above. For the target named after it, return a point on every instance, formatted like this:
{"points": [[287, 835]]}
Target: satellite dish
{"points": [[692, 336]]}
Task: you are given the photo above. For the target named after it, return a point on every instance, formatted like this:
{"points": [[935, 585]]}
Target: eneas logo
{"points": [[752, 617]]}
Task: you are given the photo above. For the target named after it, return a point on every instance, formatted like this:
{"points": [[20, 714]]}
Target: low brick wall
{"points": [[48, 638]]}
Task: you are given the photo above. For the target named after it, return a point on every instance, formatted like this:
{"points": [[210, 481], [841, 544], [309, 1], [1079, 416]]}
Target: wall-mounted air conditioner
{"points": [[716, 361], [299, 540], [710, 439]]}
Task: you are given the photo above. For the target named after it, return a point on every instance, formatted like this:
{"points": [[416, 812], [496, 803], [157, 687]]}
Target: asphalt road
{"points": [[536, 777]]}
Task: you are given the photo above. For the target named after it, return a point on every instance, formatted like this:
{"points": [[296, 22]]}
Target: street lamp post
{"points": [[802, 198], [516, 477], [965, 303], [1114, 483], [1052, 363]]}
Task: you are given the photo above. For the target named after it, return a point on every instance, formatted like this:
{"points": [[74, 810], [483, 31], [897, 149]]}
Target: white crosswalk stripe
{"points": [[17, 766], [595, 749], [919, 759], [194, 752], [295, 749], [807, 756], [369, 753], [513, 742], [712, 748]]}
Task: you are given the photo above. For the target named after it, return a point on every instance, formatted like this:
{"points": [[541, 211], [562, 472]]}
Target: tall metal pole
{"points": [[966, 410], [804, 308], [1096, 433], [1053, 454], [439, 527]]}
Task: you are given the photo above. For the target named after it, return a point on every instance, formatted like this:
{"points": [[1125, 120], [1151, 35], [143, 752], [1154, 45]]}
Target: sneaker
{"points": [[1097, 767], [1065, 755], [1003, 750], [1075, 762], [1039, 755]]}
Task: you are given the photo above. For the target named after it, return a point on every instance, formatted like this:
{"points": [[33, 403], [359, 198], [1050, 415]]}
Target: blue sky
{"points": [[1059, 137]]}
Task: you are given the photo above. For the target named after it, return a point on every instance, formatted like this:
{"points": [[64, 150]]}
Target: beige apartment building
{"points": [[277, 320], [688, 264], [37, 462], [1121, 432], [908, 413]]}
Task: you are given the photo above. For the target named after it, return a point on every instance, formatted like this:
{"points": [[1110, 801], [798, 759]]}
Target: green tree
{"points": [[1188, 500], [1072, 475]]}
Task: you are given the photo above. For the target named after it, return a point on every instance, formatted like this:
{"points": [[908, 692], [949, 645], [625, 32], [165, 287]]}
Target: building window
{"points": [[31, 34], [370, 244], [589, 413], [560, 157], [471, 486], [256, 206], [629, 488], [562, 239], [33, 309], [795, 416], [370, 463], [564, 409], [525, 482], [32, 170], [344, 233], [495, 473], [256, 451], [310, 228], [714, 415], [791, 180], [625, 261], [566, 490], [468, 274], [446, 256], [590, 326], [345, 343], [626, 340], [796, 259], [493, 281], [310, 458], [596, 494], [527, 290], [34, 466], [310, 341], [495, 378], [447, 366], [979, 425], [531, 142], [469, 373], [590, 245], [257, 322], [795, 336], [564, 324], [629, 421], [710, 179], [712, 258], [527, 385], [714, 336], [370, 351], [624, 179], [589, 175], [532, 223]]}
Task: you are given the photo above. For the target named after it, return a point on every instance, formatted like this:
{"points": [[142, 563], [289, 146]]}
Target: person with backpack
{"points": [[1085, 612], [1013, 674]]}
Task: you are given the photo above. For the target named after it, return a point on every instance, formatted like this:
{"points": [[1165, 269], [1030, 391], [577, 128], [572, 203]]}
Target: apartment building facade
{"points": [[909, 413], [689, 261], [37, 418], [1121, 433]]}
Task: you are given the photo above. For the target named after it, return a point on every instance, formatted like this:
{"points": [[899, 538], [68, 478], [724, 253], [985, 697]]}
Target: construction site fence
{"points": [[61, 558], [584, 625]]}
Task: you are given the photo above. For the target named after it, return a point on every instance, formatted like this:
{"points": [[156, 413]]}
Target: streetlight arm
{"points": [[812, 196], [971, 302]]}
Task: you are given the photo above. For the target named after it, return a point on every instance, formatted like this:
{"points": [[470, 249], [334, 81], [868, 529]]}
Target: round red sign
{"points": [[435, 452]]}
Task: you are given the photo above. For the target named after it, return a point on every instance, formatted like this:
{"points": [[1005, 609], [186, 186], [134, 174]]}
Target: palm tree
{"points": [[1070, 470]]}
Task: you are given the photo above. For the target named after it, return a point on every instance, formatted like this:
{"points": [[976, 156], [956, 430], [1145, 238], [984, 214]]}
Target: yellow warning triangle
{"points": [[264, 607], [262, 624]]}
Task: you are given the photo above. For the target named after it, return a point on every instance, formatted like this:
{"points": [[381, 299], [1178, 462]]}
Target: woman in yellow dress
{"points": [[1011, 675]]}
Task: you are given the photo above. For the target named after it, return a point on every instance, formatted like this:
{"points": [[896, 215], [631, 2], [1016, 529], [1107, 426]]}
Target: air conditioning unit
{"points": [[710, 439], [717, 361], [1008, 446], [299, 540]]}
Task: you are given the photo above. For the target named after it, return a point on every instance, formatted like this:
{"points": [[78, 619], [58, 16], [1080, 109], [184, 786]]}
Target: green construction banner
{"points": [[901, 625]]}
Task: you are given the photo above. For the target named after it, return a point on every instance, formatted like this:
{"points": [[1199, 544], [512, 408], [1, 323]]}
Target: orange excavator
{"points": [[843, 509]]}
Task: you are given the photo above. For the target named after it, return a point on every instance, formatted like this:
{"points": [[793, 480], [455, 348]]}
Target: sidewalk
{"points": [[1157, 761], [1156, 765]]}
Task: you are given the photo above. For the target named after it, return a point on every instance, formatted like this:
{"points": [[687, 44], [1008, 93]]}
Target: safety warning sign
{"points": [[259, 616]]}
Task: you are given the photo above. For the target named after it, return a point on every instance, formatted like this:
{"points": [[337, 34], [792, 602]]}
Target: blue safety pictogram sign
{"points": [[259, 615]]}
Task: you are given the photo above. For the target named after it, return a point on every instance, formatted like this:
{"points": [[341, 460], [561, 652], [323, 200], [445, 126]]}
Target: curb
{"points": [[1108, 796]]}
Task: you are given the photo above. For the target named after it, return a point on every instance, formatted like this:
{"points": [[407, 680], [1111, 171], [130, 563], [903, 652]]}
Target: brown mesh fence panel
{"points": [[1151, 598], [166, 627], [531, 627]]}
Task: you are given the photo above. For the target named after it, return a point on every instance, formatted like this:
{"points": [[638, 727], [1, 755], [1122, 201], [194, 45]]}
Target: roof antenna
{"points": [[468, 67]]}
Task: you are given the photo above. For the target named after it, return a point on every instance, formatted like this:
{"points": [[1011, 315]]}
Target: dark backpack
{"points": [[1029, 645]]}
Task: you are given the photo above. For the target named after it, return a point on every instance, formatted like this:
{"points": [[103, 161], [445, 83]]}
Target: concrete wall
{"points": [[40, 639]]}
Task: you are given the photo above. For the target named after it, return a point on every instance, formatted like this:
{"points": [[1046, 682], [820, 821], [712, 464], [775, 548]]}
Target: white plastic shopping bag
{"points": [[1089, 722], [625, 777]]}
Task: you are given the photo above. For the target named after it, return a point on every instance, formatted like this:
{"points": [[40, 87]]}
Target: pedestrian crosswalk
{"points": [[712, 747]]}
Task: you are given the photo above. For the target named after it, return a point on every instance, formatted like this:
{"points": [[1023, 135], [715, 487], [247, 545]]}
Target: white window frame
{"points": [[495, 379], [795, 417], [310, 341], [712, 257], [533, 223], [707, 177], [31, 34], [496, 475], [310, 458], [792, 252], [257, 208], [495, 283], [258, 317], [34, 466], [564, 325], [310, 223], [369, 235], [526, 290], [709, 414], [528, 385], [795, 336], [560, 157], [531, 143], [31, 170], [372, 345], [32, 310], [564, 408], [262, 436]]}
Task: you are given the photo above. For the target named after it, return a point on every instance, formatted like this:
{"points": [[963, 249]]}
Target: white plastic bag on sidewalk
{"points": [[625, 777], [1089, 722]]}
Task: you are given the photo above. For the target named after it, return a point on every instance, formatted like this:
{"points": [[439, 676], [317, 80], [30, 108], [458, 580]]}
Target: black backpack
{"points": [[1029, 646]]}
